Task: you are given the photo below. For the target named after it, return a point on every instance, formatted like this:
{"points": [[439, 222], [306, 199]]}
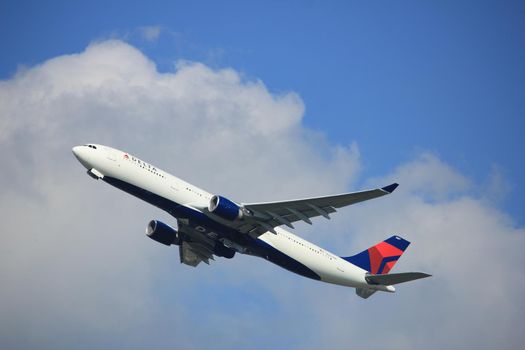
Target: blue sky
{"points": [[299, 98], [397, 77]]}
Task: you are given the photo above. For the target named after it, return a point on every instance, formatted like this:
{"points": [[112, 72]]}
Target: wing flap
{"points": [[194, 248], [187, 256]]}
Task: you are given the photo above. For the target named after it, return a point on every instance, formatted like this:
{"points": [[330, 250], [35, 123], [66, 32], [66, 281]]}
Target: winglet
{"points": [[390, 188]]}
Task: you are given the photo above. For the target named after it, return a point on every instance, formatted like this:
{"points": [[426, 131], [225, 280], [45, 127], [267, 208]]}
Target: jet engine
{"points": [[162, 233], [225, 208], [225, 252]]}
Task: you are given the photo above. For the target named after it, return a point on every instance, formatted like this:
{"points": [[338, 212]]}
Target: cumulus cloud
{"points": [[471, 248], [77, 271]]}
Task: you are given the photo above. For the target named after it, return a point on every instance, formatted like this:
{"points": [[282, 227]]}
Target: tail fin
{"points": [[380, 258]]}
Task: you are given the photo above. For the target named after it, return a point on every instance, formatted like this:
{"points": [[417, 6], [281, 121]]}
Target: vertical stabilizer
{"points": [[380, 258]]}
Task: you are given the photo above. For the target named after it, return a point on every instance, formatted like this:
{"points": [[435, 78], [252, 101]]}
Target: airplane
{"points": [[210, 225]]}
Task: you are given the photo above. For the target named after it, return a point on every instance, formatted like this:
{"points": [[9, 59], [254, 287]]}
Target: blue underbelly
{"points": [[255, 246]]}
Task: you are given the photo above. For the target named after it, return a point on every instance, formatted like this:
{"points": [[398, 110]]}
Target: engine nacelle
{"points": [[225, 208], [223, 251], [162, 233]]}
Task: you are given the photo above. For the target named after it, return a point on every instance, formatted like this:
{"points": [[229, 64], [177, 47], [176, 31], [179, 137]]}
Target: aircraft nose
{"points": [[80, 154], [76, 151]]}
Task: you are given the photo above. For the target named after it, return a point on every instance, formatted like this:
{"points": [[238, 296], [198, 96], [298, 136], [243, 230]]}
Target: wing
{"points": [[265, 216], [194, 247], [192, 253]]}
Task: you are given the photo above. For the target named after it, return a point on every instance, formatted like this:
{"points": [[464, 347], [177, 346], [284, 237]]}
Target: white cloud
{"points": [[150, 33], [75, 267], [497, 187], [430, 177]]}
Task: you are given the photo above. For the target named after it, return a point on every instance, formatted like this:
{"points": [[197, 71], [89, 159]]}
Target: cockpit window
{"points": [[91, 146]]}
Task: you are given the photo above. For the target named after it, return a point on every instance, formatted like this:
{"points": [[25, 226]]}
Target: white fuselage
{"points": [[113, 165]]}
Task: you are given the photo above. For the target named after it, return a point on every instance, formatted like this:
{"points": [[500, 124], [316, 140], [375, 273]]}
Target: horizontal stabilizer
{"points": [[395, 278]]}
